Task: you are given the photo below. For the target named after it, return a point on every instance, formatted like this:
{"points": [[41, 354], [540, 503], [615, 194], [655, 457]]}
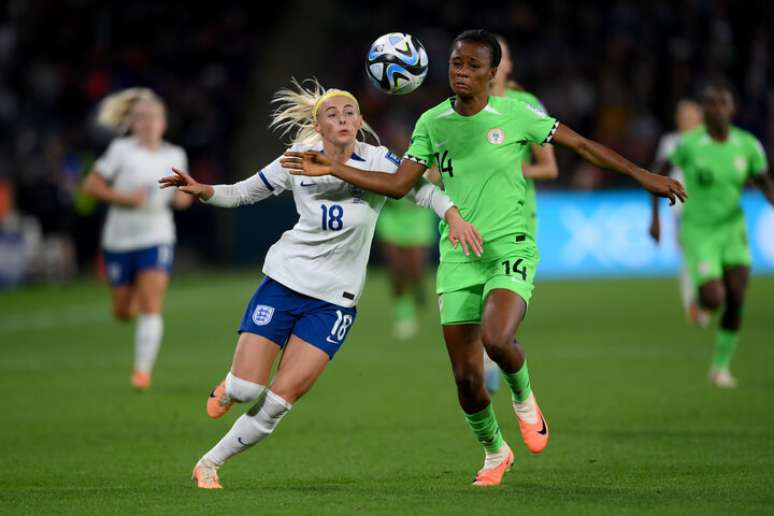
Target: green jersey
{"points": [[715, 174], [530, 198], [479, 158]]}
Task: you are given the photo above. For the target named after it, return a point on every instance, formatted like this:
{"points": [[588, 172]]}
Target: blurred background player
{"points": [[688, 116], [538, 163], [718, 159], [406, 232], [138, 237], [475, 140], [314, 274]]}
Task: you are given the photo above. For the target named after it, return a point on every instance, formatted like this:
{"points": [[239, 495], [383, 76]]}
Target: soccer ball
{"points": [[397, 63]]}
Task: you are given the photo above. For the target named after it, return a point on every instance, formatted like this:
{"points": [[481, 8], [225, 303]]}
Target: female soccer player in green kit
{"points": [[477, 142], [717, 160]]}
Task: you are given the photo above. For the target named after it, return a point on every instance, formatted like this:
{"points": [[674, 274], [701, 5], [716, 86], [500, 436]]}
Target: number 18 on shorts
{"points": [[277, 312]]}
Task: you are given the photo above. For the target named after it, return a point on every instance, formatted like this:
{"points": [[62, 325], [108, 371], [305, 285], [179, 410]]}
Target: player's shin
{"points": [[251, 428]]}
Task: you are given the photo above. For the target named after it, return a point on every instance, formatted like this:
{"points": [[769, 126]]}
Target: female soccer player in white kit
{"points": [[314, 274], [139, 234]]}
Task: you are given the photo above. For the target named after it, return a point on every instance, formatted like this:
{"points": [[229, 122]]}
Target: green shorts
{"points": [[707, 251], [406, 225], [463, 287]]}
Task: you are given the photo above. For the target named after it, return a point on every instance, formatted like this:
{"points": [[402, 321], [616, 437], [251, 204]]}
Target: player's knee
{"points": [[712, 299], [496, 342], [242, 390]]}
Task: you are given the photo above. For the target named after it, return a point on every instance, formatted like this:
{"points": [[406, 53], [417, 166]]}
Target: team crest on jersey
{"points": [[496, 136], [262, 315], [741, 164]]}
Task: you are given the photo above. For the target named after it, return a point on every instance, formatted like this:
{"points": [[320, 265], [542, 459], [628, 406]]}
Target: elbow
{"points": [[400, 189]]}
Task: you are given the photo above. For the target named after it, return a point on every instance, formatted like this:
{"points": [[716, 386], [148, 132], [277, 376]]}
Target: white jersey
{"points": [[326, 253], [666, 146], [128, 167]]}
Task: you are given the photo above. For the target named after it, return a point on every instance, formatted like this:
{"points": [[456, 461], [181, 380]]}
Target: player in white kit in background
{"points": [[314, 274], [688, 116], [139, 233]]}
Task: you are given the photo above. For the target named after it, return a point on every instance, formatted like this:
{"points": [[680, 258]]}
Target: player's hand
{"points": [[309, 163], [655, 230], [187, 184], [662, 186], [462, 232]]}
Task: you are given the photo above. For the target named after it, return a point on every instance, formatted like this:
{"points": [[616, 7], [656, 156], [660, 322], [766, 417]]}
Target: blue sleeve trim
{"points": [[265, 181]]}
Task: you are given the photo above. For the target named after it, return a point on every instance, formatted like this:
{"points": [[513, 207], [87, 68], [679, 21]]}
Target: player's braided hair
{"points": [[294, 114], [115, 110]]}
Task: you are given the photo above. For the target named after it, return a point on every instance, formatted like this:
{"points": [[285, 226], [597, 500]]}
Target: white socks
{"points": [[250, 429], [526, 410], [241, 390], [147, 341], [493, 459]]}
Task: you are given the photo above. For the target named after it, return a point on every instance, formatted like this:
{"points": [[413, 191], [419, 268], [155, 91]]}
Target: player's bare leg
{"points": [[503, 312], [466, 355], [300, 366]]}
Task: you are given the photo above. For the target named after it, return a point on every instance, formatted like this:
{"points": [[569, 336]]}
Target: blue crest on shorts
{"points": [[262, 315]]}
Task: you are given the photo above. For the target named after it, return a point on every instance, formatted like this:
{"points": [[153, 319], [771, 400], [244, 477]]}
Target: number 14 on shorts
{"points": [[515, 267]]}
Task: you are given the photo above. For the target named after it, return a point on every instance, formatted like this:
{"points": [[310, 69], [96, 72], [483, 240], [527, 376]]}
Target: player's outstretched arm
{"points": [[185, 183], [601, 156], [312, 163]]}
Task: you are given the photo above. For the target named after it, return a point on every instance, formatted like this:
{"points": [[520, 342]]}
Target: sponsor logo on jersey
{"points": [[538, 112], [262, 315], [357, 194], [495, 136], [741, 164], [392, 157]]}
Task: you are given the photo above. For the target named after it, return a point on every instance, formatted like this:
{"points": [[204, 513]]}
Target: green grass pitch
{"points": [[621, 378]]}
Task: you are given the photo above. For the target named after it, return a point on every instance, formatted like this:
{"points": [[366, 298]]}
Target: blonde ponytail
{"points": [[296, 111], [115, 110]]}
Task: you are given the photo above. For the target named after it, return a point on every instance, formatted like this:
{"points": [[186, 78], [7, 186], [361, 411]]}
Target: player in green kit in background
{"points": [[406, 234], [538, 163], [717, 160], [477, 141]]}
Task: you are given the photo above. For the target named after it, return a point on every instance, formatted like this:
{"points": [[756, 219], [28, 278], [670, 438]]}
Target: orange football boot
{"points": [[141, 381], [535, 435], [206, 475], [494, 476], [219, 403]]}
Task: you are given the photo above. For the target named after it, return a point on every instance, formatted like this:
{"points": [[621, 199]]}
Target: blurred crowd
{"points": [[611, 70], [58, 60]]}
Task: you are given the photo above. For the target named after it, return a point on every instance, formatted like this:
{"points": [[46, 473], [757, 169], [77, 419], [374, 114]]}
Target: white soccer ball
{"points": [[397, 63]]}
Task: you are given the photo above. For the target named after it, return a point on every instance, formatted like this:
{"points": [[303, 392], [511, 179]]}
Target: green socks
{"points": [[484, 425], [725, 344], [519, 383], [405, 307]]}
